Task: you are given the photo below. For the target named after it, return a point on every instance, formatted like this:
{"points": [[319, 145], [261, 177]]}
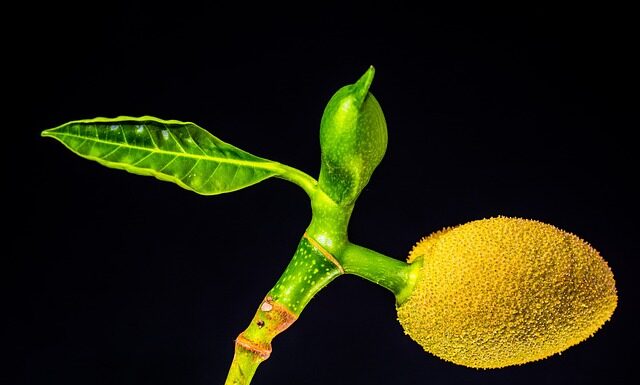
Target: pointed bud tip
{"points": [[363, 84]]}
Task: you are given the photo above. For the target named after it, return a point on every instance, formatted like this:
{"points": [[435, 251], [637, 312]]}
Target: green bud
{"points": [[353, 140]]}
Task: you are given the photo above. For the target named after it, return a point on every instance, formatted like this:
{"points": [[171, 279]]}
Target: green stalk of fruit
{"points": [[487, 294]]}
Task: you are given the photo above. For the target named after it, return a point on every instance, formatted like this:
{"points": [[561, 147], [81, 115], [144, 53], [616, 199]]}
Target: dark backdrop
{"points": [[122, 279]]}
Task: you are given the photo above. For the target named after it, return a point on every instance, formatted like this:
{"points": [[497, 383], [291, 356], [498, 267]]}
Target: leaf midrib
{"points": [[264, 164]]}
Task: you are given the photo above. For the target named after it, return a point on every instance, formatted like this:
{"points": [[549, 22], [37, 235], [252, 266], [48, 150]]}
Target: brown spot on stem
{"points": [[266, 324], [262, 350]]}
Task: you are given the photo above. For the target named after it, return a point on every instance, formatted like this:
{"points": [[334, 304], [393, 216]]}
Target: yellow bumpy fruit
{"points": [[505, 291]]}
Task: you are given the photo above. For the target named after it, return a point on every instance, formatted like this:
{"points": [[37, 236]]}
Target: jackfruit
{"points": [[505, 291]]}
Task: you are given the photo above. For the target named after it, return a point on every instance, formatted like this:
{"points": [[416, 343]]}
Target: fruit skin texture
{"points": [[505, 291]]}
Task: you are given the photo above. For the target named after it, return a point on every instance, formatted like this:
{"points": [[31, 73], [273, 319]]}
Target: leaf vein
{"points": [[196, 143], [175, 139], [82, 143], [134, 164], [150, 136], [230, 183], [211, 174], [188, 172], [110, 152], [161, 170], [124, 134], [262, 164]]}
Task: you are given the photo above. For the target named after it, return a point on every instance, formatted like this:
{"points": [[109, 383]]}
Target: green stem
{"points": [[323, 254], [243, 367], [329, 223], [329, 228], [310, 270], [302, 179], [392, 274]]}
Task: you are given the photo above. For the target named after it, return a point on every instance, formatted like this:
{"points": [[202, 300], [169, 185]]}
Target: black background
{"points": [[122, 279]]}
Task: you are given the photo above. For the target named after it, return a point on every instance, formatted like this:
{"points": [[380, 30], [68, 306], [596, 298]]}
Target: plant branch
{"points": [[310, 270]]}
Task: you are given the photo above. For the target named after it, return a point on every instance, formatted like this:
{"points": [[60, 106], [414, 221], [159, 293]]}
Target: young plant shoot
{"points": [[486, 294]]}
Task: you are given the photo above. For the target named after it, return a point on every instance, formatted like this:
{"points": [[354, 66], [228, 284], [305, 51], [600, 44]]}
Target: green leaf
{"points": [[170, 150]]}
